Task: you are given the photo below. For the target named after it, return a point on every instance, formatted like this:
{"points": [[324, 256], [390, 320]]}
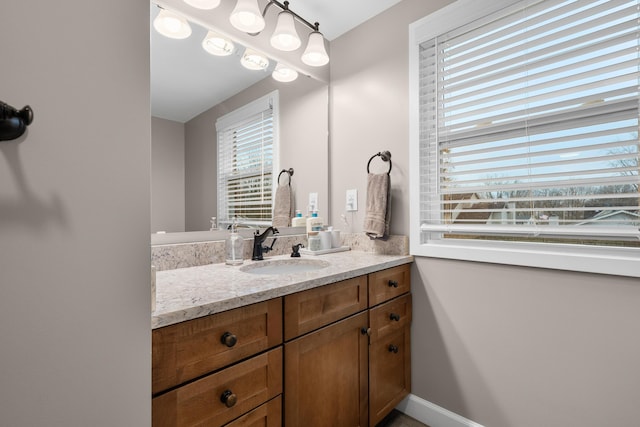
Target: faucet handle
{"points": [[295, 249]]}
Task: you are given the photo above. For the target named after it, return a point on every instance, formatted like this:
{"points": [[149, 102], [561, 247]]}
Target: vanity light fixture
{"points": [[254, 60], [246, 17], [171, 25], [217, 45], [284, 73], [203, 4]]}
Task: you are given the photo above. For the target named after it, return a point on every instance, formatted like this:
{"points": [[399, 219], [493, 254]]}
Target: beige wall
{"points": [[75, 336], [303, 138], [167, 175], [370, 109], [502, 346], [516, 346]]}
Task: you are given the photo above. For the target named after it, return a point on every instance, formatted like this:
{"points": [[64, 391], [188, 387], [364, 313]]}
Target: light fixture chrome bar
{"points": [[315, 26]]}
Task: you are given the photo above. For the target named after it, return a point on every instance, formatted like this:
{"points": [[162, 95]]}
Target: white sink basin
{"points": [[284, 266]]}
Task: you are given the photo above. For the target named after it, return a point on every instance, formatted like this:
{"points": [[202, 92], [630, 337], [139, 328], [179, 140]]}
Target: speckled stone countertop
{"points": [[189, 293]]}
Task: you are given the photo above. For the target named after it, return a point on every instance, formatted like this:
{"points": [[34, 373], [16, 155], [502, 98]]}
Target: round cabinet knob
{"points": [[393, 283], [229, 339], [393, 348], [228, 398], [394, 316], [365, 331]]}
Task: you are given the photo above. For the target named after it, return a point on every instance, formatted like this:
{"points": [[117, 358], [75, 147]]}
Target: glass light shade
{"points": [[285, 37], [172, 25], [217, 45], [254, 60], [246, 16], [203, 4], [315, 54], [284, 74]]}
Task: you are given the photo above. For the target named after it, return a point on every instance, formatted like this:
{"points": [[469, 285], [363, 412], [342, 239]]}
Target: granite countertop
{"points": [[189, 293]]}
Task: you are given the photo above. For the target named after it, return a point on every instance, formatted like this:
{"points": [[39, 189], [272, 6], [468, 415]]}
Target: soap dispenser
{"points": [[298, 220], [234, 247], [314, 222]]}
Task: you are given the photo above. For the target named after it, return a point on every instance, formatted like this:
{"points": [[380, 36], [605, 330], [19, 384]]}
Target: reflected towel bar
{"points": [[288, 171]]}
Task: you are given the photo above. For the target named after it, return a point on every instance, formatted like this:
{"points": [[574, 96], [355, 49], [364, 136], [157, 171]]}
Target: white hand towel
{"points": [[282, 209], [378, 212]]}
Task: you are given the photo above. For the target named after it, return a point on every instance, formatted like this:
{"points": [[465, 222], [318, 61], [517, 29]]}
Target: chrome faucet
{"points": [[258, 240]]}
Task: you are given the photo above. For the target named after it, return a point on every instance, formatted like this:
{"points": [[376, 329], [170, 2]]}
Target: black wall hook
{"points": [[14, 122]]}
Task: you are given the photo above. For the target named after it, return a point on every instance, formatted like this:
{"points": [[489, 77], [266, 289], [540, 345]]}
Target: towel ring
{"points": [[289, 171], [385, 156]]}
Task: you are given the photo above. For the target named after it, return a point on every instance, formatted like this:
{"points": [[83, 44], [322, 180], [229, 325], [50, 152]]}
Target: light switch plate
{"points": [[352, 200], [313, 201]]}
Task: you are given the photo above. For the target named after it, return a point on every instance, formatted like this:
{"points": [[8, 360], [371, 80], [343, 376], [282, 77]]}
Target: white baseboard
{"points": [[432, 414]]}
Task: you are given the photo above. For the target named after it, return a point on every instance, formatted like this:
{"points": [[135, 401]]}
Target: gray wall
{"points": [[75, 338], [503, 346], [303, 140], [167, 175]]}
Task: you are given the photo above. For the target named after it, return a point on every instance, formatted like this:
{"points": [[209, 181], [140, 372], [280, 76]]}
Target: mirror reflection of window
{"points": [[247, 143]]}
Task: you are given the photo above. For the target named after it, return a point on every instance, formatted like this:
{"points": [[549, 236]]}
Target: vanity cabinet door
{"points": [[223, 396], [390, 283], [326, 374], [389, 357], [390, 373], [188, 350]]}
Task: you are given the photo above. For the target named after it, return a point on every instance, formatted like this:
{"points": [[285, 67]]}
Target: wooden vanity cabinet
{"points": [[347, 350], [335, 355]]}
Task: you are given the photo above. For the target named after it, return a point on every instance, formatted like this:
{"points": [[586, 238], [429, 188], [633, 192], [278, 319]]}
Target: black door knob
{"points": [[228, 398], [394, 316], [229, 339], [393, 348]]}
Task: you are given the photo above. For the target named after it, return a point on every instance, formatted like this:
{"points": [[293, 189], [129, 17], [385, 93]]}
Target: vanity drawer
{"points": [[389, 317], [309, 310], [267, 415], [196, 347], [390, 283], [245, 386]]}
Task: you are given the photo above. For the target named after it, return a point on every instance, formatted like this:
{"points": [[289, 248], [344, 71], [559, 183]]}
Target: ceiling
{"points": [[336, 17], [185, 80]]}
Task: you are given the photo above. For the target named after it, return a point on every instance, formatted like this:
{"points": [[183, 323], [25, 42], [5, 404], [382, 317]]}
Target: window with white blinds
{"points": [[528, 125], [247, 145]]}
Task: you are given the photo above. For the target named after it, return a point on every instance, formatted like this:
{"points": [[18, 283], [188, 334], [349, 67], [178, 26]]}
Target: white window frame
{"points": [[583, 258], [233, 118]]}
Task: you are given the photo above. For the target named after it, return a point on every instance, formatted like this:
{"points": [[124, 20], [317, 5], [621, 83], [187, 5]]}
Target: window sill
{"points": [[600, 260]]}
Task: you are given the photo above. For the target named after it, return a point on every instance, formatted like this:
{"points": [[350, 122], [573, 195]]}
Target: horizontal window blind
{"points": [[245, 165], [529, 124]]}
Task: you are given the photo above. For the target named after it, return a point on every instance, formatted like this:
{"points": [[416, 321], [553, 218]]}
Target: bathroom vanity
{"points": [[324, 347]]}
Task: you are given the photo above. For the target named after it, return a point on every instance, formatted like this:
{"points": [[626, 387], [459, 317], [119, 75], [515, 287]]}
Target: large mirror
{"points": [[191, 88]]}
